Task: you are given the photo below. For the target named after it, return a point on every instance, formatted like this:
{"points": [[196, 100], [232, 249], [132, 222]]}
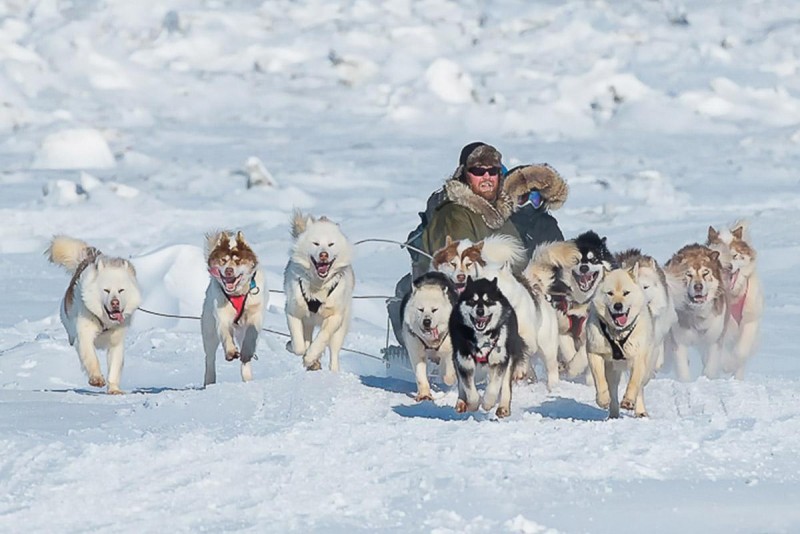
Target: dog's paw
{"points": [[231, 355], [627, 404], [642, 415], [450, 379], [115, 391], [502, 411], [423, 397], [461, 406], [97, 381], [603, 399], [297, 351], [314, 366]]}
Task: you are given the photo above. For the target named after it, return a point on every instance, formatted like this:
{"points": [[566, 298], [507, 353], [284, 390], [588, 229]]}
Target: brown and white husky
{"points": [[744, 293], [695, 277], [233, 309]]}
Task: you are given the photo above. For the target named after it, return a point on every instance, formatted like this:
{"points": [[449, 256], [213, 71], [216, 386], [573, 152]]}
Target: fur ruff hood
{"points": [[494, 215], [542, 177]]}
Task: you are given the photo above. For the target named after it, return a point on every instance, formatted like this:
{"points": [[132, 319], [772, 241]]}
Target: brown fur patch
{"points": [[445, 254], [474, 253], [239, 253], [694, 258]]}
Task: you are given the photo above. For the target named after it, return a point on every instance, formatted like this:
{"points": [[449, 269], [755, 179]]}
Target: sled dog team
{"points": [[479, 312]]}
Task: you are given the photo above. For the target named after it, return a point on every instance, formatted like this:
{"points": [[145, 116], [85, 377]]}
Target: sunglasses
{"points": [[534, 198], [480, 171]]}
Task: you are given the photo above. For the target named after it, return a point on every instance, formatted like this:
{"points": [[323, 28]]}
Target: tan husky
{"points": [[619, 337], [744, 293]]}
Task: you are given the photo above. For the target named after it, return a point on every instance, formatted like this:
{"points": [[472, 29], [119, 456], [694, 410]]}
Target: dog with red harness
{"points": [[233, 309], [744, 293]]}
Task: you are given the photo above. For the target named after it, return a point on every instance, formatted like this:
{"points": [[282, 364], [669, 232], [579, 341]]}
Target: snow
{"points": [[131, 124]]}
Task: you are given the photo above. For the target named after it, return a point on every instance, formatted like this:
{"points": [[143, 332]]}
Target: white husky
{"points": [[426, 333], [233, 309], [318, 282], [653, 282], [97, 307], [497, 256], [744, 292]]}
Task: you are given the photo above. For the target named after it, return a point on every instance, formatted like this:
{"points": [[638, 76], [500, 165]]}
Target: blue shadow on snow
{"points": [[564, 408]]}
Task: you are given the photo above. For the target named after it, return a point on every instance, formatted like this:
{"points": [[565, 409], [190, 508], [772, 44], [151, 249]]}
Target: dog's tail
{"points": [[70, 252], [503, 250], [546, 260], [299, 222]]}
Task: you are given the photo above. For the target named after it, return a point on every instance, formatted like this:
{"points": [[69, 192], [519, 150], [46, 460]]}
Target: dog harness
{"points": [[428, 347], [576, 323], [737, 306], [617, 346], [314, 304], [237, 301], [482, 356]]}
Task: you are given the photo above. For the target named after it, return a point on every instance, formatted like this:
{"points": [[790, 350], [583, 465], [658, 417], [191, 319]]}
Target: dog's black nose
{"points": [[115, 303], [323, 256], [618, 306], [460, 278], [426, 323], [584, 269], [479, 311], [698, 288]]}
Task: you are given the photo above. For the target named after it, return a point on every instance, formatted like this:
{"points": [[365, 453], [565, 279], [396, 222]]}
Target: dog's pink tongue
{"points": [[117, 316], [621, 319], [435, 333], [322, 268]]}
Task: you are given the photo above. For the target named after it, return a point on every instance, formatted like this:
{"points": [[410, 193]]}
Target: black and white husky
{"points": [[483, 327]]}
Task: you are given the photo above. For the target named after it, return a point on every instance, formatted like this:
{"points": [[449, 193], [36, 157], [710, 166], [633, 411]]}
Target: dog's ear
{"points": [[99, 264], [448, 240], [635, 272], [470, 281], [493, 282], [479, 246], [240, 240], [738, 231], [714, 255], [713, 235]]}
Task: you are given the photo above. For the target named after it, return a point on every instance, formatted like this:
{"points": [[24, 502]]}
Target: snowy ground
{"points": [[128, 124]]}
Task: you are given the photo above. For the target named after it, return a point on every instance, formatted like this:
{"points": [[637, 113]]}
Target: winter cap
{"points": [[479, 154]]}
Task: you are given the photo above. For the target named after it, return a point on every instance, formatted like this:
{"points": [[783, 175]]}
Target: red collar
{"points": [[237, 301]]}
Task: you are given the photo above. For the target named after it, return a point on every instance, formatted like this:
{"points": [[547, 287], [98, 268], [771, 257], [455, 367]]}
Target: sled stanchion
{"points": [[172, 316]]}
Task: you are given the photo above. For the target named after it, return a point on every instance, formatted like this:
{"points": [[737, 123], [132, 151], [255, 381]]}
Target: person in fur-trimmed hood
{"points": [[472, 205], [536, 190]]}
